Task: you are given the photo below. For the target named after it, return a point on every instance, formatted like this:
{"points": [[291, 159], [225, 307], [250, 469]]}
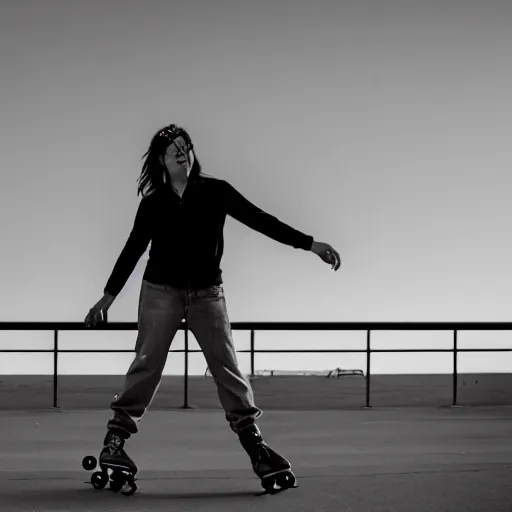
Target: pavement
{"points": [[415, 459]]}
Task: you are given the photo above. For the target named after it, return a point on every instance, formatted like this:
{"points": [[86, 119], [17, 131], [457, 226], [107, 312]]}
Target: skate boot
{"points": [[273, 470], [113, 458]]}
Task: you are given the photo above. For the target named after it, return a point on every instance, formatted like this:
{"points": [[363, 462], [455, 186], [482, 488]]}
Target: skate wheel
{"points": [[268, 483], [99, 480], [129, 487], [89, 463], [286, 480], [117, 480]]}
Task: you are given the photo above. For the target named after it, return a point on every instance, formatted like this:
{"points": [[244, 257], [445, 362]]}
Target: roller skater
{"points": [[182, 214]]}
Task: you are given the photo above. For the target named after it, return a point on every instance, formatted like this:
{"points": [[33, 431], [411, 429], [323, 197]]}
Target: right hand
{"points": [[98, 313]]}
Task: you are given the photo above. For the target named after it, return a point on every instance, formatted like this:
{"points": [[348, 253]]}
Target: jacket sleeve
{"points": [[136, 245], [238, 207]]}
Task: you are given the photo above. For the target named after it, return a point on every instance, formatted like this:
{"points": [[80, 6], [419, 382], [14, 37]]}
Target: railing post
{"points": [[252, 352], [55, 369], [455, 373], [368, 373], [185, 404]]}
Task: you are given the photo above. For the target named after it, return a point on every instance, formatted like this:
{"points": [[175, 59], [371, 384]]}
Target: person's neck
{"points": [[179, 186], [178, 182]]}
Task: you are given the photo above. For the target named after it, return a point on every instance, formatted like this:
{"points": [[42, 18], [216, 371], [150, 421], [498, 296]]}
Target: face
{"points": [[176, 158]]}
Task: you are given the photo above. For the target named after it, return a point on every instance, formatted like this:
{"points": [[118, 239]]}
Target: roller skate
{"points": [[273, 470], [113, 458]]}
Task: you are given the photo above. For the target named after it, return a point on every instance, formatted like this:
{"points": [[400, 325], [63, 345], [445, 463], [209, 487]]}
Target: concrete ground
{"points": [[413, 459]]}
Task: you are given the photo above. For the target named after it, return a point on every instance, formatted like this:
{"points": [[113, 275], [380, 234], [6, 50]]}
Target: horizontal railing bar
{"points": [[386, 350], [256, 351], [276, 326]]}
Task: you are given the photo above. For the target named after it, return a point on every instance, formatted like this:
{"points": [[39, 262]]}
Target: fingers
{"points": [[89, 321], [94, 318], [338, 261], [333, 258]]}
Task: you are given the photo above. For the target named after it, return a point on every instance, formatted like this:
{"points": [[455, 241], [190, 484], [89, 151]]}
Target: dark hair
{"points": [[153, 169]]}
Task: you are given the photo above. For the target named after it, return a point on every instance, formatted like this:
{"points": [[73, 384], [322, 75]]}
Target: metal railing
{"points": [[273, 326]]}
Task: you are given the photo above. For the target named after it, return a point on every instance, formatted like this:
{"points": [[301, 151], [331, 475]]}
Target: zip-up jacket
{"points": [[186, 234]]}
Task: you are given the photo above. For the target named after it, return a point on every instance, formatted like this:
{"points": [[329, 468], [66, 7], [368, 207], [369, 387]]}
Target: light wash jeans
{"points": [[161, 309]]}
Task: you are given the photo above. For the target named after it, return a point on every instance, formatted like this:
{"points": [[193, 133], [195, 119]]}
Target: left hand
{"points": [[327, 254]]}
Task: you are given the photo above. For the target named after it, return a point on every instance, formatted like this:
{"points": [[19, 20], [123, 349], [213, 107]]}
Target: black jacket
{"points": [[186, 234]]}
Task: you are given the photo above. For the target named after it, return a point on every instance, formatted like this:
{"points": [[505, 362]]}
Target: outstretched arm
{"points": [[241, 209]]}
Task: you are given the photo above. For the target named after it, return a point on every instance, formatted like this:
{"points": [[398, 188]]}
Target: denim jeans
{"points": [[161, 310]]}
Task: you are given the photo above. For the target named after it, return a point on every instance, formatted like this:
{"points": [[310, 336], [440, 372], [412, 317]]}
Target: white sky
{"points": [[380, 127]]}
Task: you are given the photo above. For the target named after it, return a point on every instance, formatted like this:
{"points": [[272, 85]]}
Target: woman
{"points": [[183, 216]]}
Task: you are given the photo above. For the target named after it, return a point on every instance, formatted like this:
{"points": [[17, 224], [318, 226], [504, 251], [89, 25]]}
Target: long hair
{"points": [[154, 168]]}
